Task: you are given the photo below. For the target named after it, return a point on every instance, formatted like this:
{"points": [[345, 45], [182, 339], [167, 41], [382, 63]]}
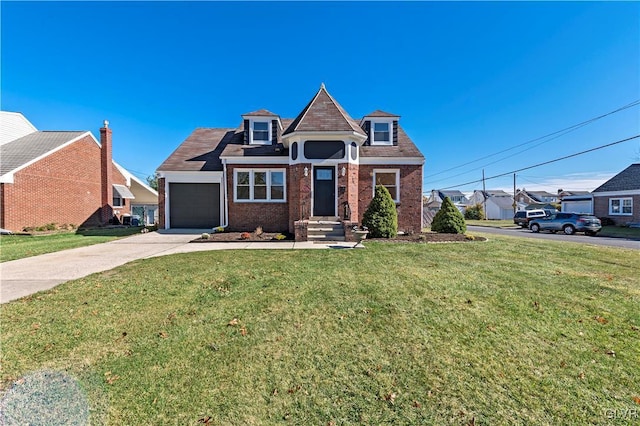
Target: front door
{"points": [[324, 191]]}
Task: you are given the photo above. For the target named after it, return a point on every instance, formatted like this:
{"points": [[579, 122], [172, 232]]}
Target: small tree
{"points": [[448, 220], [381, 216], [152, 181], [474, 212]]}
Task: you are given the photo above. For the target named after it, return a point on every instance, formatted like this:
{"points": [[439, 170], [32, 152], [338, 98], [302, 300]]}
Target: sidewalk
{"points": [[22, 277]]}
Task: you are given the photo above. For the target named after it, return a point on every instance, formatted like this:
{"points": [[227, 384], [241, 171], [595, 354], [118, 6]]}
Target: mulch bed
{"points": [[429, 237]]}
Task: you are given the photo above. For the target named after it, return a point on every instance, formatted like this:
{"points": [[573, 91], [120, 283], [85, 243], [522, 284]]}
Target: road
{"points": [[576, 238]]}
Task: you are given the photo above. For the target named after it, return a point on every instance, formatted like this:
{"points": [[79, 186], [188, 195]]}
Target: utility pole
{"points": [[484, 197], [515, 203]]}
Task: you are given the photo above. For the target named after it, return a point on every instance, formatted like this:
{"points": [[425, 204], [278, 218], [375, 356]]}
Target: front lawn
{"points": [[17, 246], [509, 331]]}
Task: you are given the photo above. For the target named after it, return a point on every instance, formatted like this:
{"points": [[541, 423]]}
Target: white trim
{"points": [[252, 121], [392, 161], [268, 185], [616, 193], [342, 135], [8, 177], [255, 160], [191, 177], [397, 172], [621, 200], [388, 122]]}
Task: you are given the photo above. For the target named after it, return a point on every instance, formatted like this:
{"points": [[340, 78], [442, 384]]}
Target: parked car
{"points": [[523, 217], [569, 223]]}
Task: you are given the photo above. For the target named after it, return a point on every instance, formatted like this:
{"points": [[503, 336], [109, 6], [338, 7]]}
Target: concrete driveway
{"points": [[22, 277]]}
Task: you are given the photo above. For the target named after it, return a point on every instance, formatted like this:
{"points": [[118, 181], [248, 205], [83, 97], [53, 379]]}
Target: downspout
{"points": [[225, 213]]}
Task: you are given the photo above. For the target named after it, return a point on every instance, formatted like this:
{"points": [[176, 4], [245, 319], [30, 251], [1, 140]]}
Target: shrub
{"points": [[280, 237], [448, 220], [607, 221], [205, 236], [474, 212], [381, 216]]}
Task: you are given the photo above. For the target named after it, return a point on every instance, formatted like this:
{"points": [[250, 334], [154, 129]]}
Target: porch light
{"points": [[343, 171], [306, 171]]}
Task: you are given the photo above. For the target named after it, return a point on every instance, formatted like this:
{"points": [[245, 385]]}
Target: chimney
{"points": [[106, 170]]}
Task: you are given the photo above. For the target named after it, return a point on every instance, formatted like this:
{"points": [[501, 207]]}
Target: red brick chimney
{"points": [[106, 170]]}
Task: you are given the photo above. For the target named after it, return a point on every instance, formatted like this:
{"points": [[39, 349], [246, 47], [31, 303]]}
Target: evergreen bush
{"points": [[474, 212], [448, 220], [381, 216]]}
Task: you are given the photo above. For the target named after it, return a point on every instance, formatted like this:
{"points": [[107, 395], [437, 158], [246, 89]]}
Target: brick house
{"points": [[62, 177], [619, 197], [292, 175]]}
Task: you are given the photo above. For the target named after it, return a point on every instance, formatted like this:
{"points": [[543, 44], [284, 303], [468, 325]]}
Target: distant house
{"points": [[619, 197], [537, 197], [63, 177], [437, 196], [292, 174], [497, 204]]}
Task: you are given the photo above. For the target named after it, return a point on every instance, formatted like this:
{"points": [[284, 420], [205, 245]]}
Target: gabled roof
{"points": [[626, 180], [260, 113], [454, 193], [380, 113], [496, 193], [541, 194], [27, 149], [323, 114], [14, 125]]}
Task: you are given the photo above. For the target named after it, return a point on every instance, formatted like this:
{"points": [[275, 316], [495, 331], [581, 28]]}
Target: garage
{"points": [[194, 205]]}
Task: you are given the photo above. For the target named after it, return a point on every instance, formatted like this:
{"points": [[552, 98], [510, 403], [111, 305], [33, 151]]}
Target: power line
{"points": [[547, 162], [559, 133]]}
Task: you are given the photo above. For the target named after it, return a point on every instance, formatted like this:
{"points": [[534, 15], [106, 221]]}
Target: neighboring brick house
{"points": [[286, 175], [62, 177], [619, 197]]}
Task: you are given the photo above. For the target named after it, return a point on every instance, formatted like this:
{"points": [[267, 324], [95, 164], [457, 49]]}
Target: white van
{"points": [[523, 217]]}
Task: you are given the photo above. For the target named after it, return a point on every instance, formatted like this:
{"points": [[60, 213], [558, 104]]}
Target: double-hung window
{"points": [[118, 201], [259, 185], [381, 133], [390, 179], [621, 206], [260, 132]]}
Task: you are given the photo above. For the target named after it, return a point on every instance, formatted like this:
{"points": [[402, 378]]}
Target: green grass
{"points": [[620, 232], [18, 246], [492, 223], [499, 332]]}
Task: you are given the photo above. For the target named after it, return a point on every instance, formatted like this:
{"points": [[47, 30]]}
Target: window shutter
{"points": [[367, 130], [395, 132], [274, 132], [246, 132]]}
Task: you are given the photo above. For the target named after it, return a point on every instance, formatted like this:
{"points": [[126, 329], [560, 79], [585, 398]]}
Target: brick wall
{"points": [[246, 216], [298, 193], [62, 188], [410, 206], [601, 209]]}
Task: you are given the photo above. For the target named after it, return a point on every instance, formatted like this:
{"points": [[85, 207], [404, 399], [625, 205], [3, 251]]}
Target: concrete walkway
{"points": [[22, 277]]}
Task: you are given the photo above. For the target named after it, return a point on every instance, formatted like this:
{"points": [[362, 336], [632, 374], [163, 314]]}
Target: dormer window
{"points": [[260, 133], [381, 132]]}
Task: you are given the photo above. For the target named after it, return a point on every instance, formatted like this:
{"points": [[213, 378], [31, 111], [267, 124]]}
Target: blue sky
{"points": [[468, 79]]}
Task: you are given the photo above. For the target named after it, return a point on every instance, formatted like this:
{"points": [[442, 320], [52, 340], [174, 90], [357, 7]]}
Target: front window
{"points": [[118, 201], [260, 185], [390, 179], [381, 133], [621, 206], [260, 132]]}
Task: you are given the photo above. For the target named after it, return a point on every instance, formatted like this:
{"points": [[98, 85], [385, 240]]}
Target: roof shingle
{"points": [[626, 180]]}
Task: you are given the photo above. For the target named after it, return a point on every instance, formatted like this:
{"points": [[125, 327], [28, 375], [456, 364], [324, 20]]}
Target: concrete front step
{"points": [[325, 229], [318, 237]]}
